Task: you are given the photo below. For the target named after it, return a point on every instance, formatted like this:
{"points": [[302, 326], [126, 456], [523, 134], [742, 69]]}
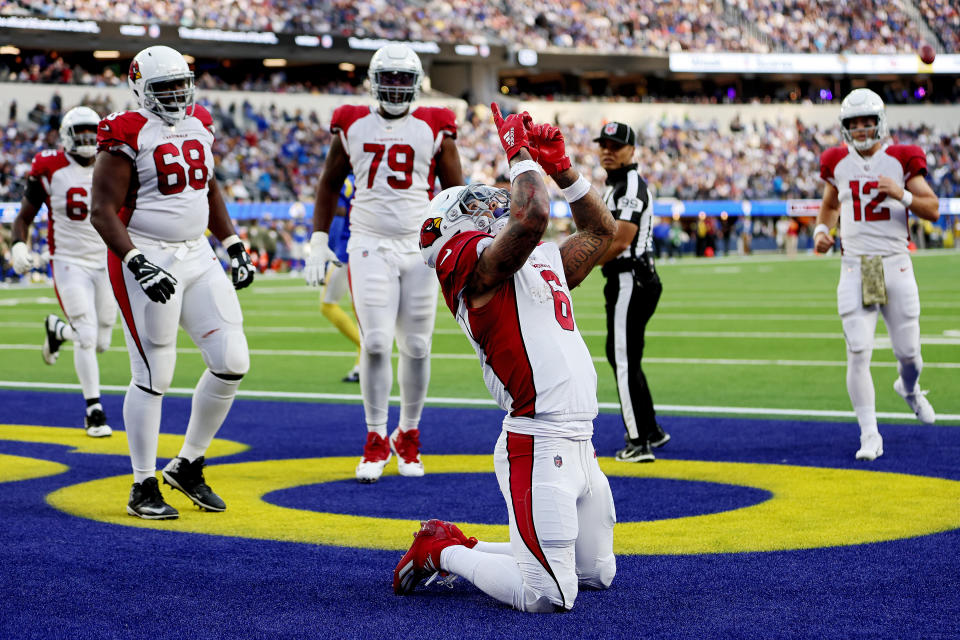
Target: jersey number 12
{"points": [[873, 211]]}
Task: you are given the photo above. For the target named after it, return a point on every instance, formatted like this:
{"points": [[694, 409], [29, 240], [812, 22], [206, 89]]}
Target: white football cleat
{"points": [[871, 447], [917, 402], [406, 444], [376, 455]]}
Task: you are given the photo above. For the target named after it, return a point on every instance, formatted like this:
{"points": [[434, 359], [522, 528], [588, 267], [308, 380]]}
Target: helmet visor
{"points": [[485, 205], [396, 87], [172, 96]]}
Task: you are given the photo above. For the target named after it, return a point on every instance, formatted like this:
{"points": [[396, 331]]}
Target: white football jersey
{"points": [[871, 223], [535, 362], [394, 164], [168, 196], [67, 186]]}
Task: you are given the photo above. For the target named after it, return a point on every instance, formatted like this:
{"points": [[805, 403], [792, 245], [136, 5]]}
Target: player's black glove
{"points": [[155, 282], [241, 268]]}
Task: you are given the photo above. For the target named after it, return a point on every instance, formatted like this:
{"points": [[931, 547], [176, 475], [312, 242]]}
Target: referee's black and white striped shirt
{"points": [[629, 198]]}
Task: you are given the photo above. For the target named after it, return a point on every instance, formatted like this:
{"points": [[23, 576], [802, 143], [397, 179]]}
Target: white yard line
{"points": [[482, 402], [306, 353]]}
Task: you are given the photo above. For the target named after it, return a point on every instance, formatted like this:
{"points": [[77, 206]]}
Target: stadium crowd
{"points": [[276, 155], [644, 26], [832, 26], [55, 69]]}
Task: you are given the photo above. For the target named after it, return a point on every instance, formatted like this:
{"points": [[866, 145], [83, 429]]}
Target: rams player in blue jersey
{"points": [[336, 280]]}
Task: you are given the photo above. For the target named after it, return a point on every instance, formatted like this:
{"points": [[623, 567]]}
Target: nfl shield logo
{"points": [[558, 461], [610, 128], [365, 253]]}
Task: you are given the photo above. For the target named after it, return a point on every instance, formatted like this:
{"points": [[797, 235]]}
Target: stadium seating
{"points": [[644, 26]]}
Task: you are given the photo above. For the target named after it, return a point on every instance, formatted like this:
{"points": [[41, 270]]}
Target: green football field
{"points": [[756, 336]]}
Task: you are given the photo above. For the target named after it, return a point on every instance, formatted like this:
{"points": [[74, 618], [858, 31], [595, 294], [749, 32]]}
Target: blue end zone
{"points": [[63, 576]]}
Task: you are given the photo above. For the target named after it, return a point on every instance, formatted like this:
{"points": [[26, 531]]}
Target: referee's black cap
{"points": [[617, 132]]}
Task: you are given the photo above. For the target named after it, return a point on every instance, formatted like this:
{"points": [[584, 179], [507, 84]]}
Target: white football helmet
{"points": [[476, 207], [863, 102], [78, 131], [395, 75], [162, 82]]}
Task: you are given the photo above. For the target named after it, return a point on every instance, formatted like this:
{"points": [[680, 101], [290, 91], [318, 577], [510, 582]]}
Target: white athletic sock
{"points": [[212, 400], [867, 419], [861, 391], [141, 416], [500, 548], [376, 378], [88, 372], [66, 332], [413, 375], [910, 372], [495, 574]]}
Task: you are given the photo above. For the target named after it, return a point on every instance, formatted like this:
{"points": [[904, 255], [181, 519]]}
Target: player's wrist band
{"points": [[522, 167], [821, 228], [230, 241], [577, 190], [907, 199], [131, 254], [319, 237]]}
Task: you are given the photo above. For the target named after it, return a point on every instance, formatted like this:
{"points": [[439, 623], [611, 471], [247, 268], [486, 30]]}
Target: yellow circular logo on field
{"points": [[809, 507]]}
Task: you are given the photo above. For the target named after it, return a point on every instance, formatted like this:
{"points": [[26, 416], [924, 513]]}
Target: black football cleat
{"points": [[146, 502], [51, 341], [96, 425], [636, 452], [659, 437], [187, 477]]}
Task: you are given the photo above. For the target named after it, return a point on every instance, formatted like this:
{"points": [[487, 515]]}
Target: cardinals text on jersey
{"points": [[394, 164], [535, 362], [67, 186], [168, 192], [871, 223]]}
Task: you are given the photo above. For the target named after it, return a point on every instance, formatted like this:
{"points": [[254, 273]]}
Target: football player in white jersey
{"points": [[871, 185], [61, 180], [510, 294], [396, 153], [154, 196]]}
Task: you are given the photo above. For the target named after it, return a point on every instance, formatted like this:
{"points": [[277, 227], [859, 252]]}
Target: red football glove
{"points": [[551, 151], [514, 131]]}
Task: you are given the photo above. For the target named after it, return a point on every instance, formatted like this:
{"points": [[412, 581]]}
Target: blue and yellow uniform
{"points": [[340, 226]]}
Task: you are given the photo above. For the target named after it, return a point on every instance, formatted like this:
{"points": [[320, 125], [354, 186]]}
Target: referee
{"points": [[632, 289]]}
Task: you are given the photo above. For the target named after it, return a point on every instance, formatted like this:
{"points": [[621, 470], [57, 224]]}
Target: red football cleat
{"points": [[422, 560]]}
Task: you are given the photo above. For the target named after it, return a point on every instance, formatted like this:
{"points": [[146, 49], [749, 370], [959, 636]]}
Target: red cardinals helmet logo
{"points": [[135, 71], [429, 232]]}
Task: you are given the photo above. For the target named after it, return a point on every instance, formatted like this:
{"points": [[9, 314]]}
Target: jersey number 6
{"points": [[561, 303], [172, 178]]}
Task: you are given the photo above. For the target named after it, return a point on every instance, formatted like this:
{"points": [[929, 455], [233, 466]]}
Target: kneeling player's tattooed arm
{"points": [[595, 230]]}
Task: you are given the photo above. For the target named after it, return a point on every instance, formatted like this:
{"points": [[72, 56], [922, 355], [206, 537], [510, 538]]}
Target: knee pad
{"points": [[104, 337], [158, 378], [85, 331], [416, 346], [234, 354], [905, 340], [377, 342], [535, 602], [856, 330], [602, 575]]}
